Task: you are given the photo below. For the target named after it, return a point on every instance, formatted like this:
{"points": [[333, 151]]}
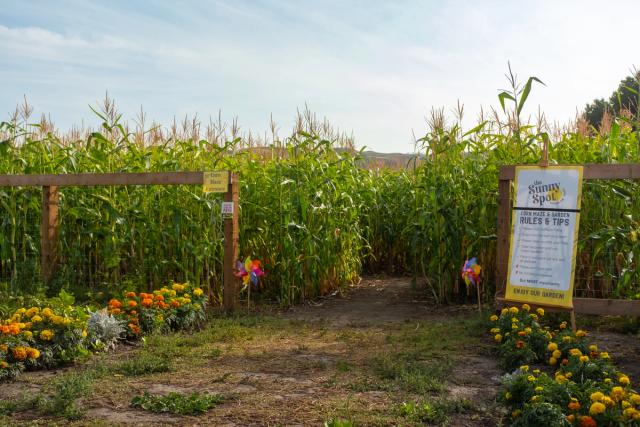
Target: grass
{"points": [[144, 363], [256, 362]]}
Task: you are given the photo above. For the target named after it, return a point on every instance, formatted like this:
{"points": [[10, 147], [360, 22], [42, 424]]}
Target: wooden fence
{"points": [[597, 306], [50, 220]]}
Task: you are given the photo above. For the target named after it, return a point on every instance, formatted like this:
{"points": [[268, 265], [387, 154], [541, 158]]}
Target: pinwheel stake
{"points": [[249, 271], [471, 275]]}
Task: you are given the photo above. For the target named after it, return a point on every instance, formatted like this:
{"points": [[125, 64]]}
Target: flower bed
{"points": [[578, 384], [61, 332]]}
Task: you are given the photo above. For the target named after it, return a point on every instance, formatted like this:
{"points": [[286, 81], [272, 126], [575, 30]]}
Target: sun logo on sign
{"points": [[555, 195]]}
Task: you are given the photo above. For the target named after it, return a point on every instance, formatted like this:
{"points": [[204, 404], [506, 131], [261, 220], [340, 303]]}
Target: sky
{"points": [[372, 68]]}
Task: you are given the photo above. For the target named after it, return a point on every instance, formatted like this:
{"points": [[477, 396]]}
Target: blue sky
{"points": [[373, 68]]}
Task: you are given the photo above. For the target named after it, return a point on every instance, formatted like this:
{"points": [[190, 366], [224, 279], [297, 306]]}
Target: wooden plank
{"points": [[591, 171], [49, 232], [504, 232], [94, 179], [231, 239], [602, 307]]}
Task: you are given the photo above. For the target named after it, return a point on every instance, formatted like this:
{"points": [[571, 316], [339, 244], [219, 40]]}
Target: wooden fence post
{"points": [[231, 237], [49, 232], [504, 225]]}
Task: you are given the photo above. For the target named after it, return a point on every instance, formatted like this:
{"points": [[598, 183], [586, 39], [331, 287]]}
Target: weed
{"points": [[177, 403]]}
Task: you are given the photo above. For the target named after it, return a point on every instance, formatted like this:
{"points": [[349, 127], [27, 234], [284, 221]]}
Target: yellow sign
{"points": [[544, 235], [215, 181]]}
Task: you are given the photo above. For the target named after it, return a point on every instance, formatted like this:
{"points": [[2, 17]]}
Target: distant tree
{"points": [[625, 97]]}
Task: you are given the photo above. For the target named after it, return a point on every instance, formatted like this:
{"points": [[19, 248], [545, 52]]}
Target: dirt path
{"points": [[353, 357]]}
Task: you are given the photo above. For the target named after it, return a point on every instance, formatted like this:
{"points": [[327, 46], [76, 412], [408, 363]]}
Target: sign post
{"points": [[544, 234]]}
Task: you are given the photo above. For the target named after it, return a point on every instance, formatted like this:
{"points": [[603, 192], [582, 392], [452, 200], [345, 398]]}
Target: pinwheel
{"points": [[471, 272], [249, 271]]}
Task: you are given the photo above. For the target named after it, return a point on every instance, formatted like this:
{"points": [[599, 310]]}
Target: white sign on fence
{"points": [[544, 235], [227, 209]]}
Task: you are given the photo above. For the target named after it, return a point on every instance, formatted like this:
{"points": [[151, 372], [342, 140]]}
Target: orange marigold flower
{"points": [[4, 365], [115, 311], [175, 304], [114, 303], [134, 328], [587, 421], [574, 406], [520, 344], [132, 304], [159, 298], [130, 294], [147, 302], [19, 353]]}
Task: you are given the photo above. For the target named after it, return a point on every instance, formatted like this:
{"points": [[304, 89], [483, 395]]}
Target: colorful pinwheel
{"points": [[471, 272], [249, 271]]}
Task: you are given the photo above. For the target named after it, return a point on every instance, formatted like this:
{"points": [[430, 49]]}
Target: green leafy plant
{"points": [[177, 403]]}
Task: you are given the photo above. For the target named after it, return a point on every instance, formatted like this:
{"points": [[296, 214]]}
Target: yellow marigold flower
{"points": [[47, 312], [604, 355], [533, 316], [32, 311], [524, 368], [46, 335], [498, 338], [513, 310], [526, 307], [177, 287], [33, 353], [584, 359], [553, 361], [552, 346], [3, 347], [4, 365], [172, 293], [57, 320], [535, 399], [527, 330], [494, 330], [563, 325], [84, 333], [597, 408], [536, 371], [504, 311], [575, 352], [593, 348], [21, 310], [580, 333], [508, 395], [493, 318], [608, 401], [568, 374], [198, 292], [514, 320], [531, 378], [540, 311], [27, 334], [625, 404], [597, 396], [36, 319], [607, 380], [624, 380], [629, 412], [561, 379], [557, 354], [514, 326], [19, 353], [538, 389], [516, 413], [635, 399]]}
